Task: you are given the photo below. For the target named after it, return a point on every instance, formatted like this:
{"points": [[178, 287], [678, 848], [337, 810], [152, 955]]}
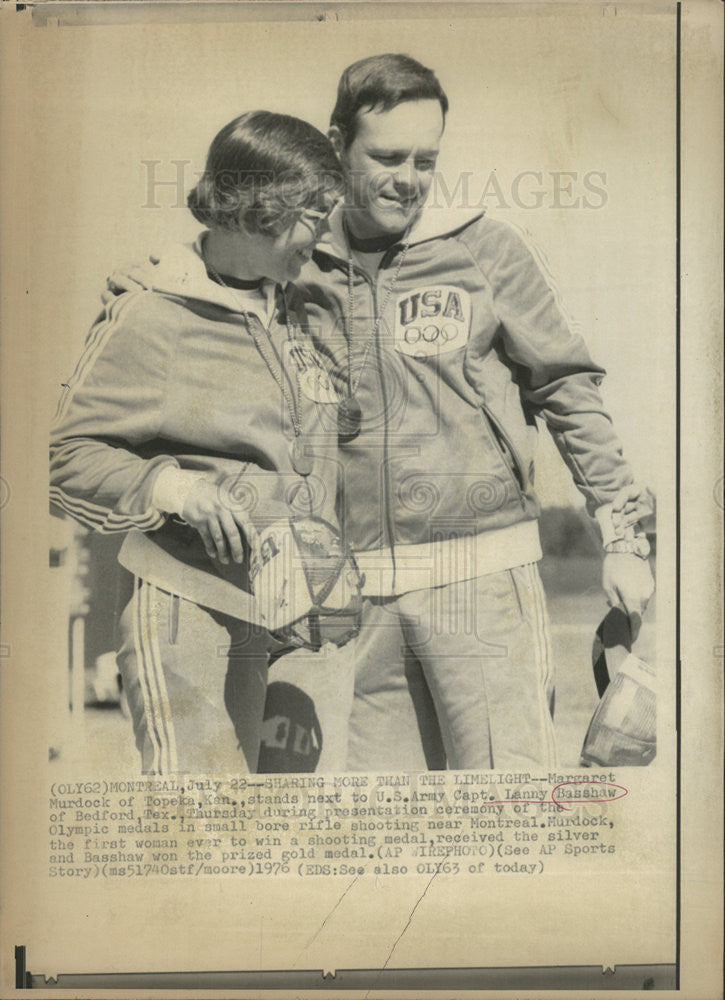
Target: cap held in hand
{"points": [[623, 729]]}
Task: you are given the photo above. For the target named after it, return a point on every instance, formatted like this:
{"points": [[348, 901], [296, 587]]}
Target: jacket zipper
{"points": [[388, 524], [498, 434]]}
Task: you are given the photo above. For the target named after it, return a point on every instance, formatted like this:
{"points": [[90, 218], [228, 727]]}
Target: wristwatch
{"points": [[637, 545]]}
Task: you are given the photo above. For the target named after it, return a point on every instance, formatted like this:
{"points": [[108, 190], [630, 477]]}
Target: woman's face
{"points": [[281, 258]]}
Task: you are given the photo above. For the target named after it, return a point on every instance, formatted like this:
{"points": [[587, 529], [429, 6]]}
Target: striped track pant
{"points": [[195, 680], [458, 674]]}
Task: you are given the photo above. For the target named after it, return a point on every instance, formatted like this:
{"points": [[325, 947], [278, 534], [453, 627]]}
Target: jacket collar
{"points": [[431, 222], [179, 269]]}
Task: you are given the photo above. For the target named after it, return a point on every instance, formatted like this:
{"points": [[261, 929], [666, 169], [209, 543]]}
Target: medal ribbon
{"points": [[302, 463]]}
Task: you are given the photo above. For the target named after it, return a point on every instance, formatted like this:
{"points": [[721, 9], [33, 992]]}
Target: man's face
{"points": [[389, 166]]}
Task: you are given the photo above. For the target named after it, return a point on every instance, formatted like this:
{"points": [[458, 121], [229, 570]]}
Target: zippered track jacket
{"points": [[170, 377], [473, 345]]}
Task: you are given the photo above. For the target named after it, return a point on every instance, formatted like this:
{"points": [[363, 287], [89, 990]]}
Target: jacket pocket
{"points": [[506, 450]]}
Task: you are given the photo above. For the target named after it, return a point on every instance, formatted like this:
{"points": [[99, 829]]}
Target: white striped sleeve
{"points": [[104, 458]]}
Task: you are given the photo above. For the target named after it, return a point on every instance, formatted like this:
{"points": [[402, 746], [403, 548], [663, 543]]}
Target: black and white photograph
{"points": [[355, 569], [339, 494]]}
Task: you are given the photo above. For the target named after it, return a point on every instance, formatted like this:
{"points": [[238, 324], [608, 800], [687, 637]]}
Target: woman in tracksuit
{"points": [[190, 422], [450, 342]]}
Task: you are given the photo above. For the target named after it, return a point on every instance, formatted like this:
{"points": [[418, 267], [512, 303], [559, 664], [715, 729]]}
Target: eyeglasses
{"points": [[313, 218]]}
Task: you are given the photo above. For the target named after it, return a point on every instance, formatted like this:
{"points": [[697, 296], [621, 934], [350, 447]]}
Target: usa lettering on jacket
{"points": [[432, 320], [309, 368]]}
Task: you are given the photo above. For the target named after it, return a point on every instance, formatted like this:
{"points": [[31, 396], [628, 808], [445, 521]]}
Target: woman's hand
{"points": [[221, 527]]}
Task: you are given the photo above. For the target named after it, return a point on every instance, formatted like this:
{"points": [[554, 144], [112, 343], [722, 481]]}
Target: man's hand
{"points": [[221, 527], [628, 583], [634, 504]]}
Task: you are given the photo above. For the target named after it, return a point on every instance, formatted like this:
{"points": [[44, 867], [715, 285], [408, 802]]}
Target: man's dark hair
{"points": [[380, 83], [261, 169]]}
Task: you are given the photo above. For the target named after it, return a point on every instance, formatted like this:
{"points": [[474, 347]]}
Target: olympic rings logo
{"points": [[317, 386], [431, 334], [313, 377]]}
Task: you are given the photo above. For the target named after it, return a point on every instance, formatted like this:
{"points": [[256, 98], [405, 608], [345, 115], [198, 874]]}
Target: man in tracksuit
{"points": [[448, 343]]}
